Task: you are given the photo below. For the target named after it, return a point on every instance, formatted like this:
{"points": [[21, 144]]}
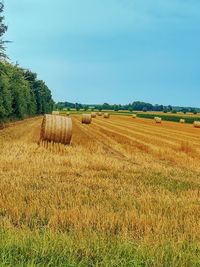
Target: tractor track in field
{"points": [[158, 131], [144, 139], [170, 128], [104, 141], [149, 136], [116, 140]]}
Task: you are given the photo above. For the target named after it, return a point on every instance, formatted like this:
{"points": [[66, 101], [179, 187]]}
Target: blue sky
{"points": [[116, 51]]}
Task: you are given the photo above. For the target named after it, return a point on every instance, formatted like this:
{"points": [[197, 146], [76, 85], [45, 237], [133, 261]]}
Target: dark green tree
{"points": [[116, 107], [5, 94], [21, 94], [41, 93], [86, 108]]}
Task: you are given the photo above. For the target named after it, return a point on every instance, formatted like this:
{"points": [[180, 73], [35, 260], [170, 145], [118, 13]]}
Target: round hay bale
{"points": [[68, 114], [158, 119], [93, 114], [134, 116], [100, 113], [197, 124], [86, 118], [182, 120], [55, 112], [57, 129], [106, 115]]}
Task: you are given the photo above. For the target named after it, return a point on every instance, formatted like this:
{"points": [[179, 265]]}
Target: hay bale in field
{"points": [[106, 115], [55, 112], [158, 119], [57, 129], [68, 114], [86, 118], [93, 114], [134, 116], [182, 120], [197, 124], [100, 113]]}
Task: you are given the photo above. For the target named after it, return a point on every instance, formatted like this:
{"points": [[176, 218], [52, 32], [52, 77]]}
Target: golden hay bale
{"points": [[55, 112], [197, 124], [86, 118], [158, 119], [134, 116], [93, 114], [68, 114], [100, 114], [182, 120], [57, 129], [106, 115]]}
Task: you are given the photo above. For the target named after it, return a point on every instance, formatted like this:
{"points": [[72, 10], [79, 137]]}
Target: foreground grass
{"points": [[24, 248]]}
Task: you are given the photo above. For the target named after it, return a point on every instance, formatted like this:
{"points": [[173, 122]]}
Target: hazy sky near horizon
{"points": [[116, 51]]}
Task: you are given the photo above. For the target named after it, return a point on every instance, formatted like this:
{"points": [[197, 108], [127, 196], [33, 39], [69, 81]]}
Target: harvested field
{"points": [[125, 193]]}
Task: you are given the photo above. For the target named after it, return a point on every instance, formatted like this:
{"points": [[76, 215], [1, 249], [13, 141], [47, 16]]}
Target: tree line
{"points": [[135, 106], [21, 93]]}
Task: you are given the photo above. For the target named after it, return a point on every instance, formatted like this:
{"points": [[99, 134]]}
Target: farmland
{"points": [[188, 117], [125, 193]]}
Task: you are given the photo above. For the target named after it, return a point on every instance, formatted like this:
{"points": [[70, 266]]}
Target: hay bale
{"points": [[158, 119], [86, 118], [134, 116], [100, 114], [68, 114], [182, 120], [55, 112], [93, 114], [106, 115], [197, 124], [57, 129]]}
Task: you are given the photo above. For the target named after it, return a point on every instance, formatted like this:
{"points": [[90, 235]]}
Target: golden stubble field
{"points": [[121, 177]]}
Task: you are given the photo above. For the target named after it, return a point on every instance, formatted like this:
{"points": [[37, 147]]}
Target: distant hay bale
{"points": [[57, 129], [86, 118], [93, 114], [197, 124], [55, 112], [158, 119], [182, 120], [100, 113], [134, 116], [68, 114], [106, 115]]}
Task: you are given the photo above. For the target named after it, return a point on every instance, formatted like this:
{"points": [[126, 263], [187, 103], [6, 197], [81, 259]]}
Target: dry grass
{"points": [[123, 179]]}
